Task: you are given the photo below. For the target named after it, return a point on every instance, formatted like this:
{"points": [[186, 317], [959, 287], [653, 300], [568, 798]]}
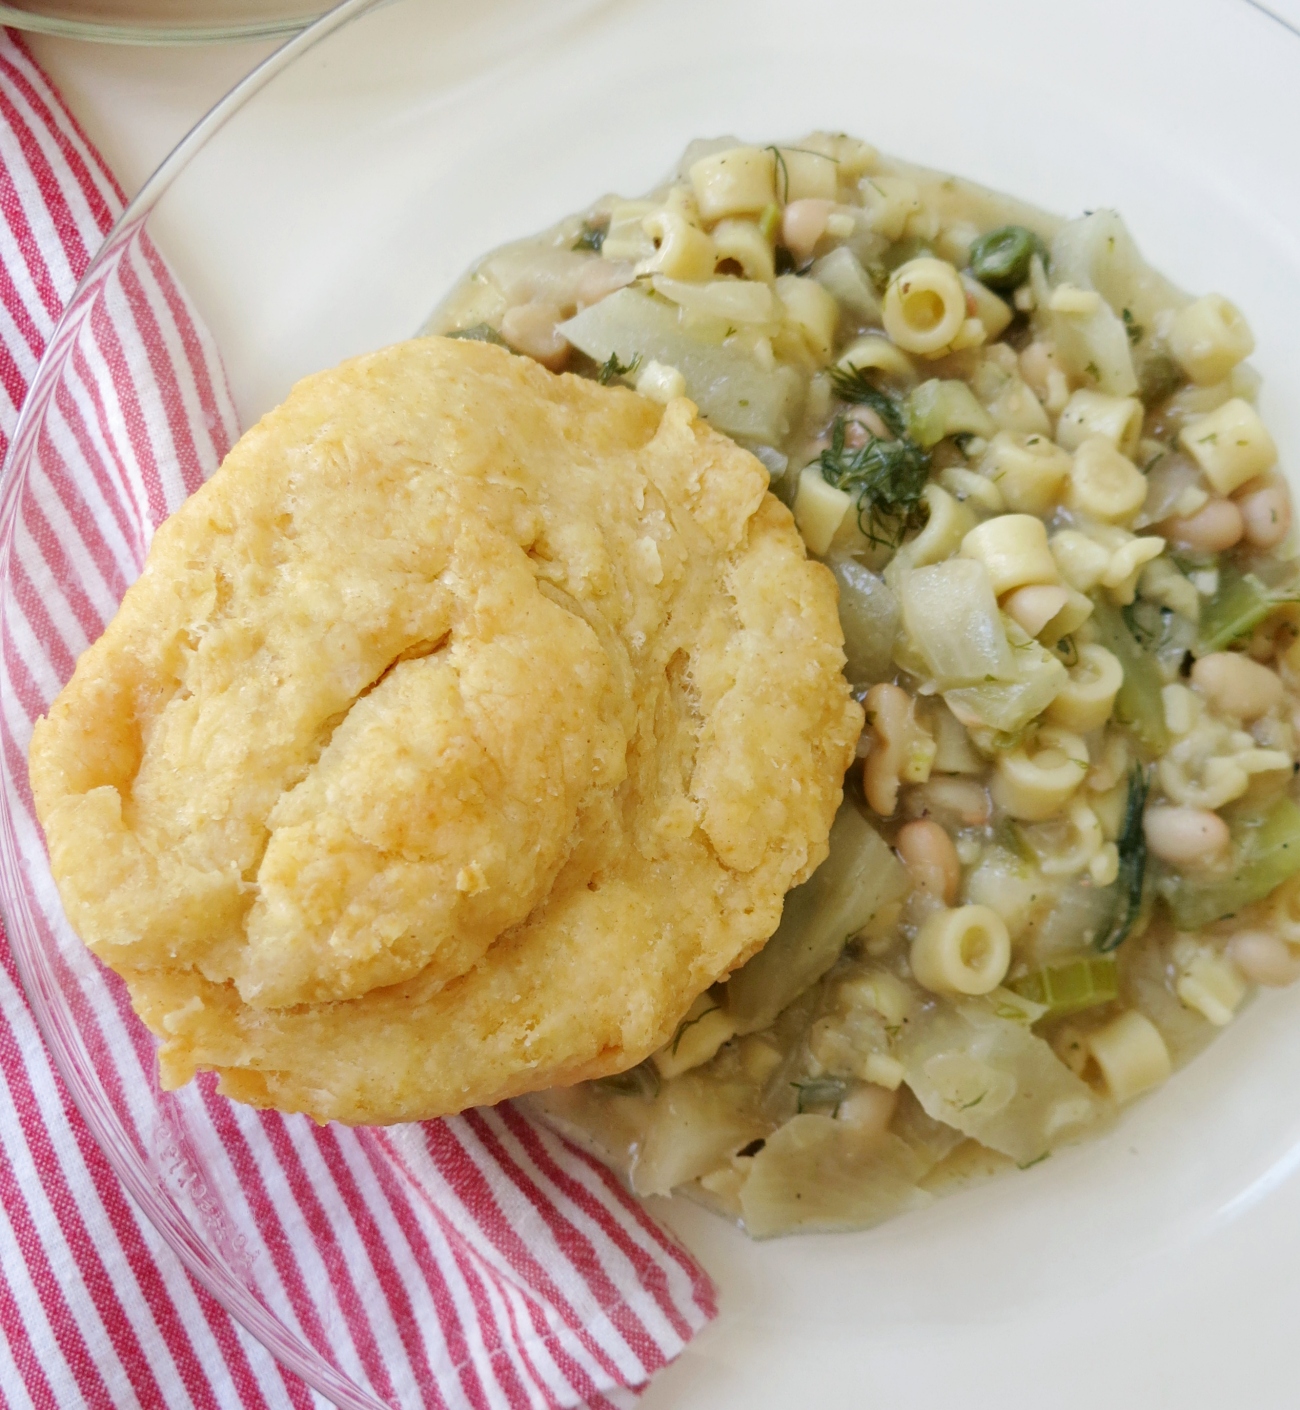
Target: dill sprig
{"points": [[851, 385], [612, 368], [888, 480]]}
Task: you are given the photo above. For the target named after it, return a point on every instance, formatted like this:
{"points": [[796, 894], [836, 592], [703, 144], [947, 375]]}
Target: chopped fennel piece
{"points": [[731, 388], [1240, 603], [869, 614], [994, 1080], [1072, 986], [951, 617], [694, 1124], [818, 1174], [859, 877], [945, 408], [1267, 850], [1094, 347], [1139, 702], [733, 300], [1097, 251], [1008, 706], [842, 275]]}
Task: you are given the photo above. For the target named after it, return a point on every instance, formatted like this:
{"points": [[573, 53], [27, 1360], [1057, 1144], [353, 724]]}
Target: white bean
{"points": [[803, 224], [1187, 838], [532, 329], [1264, 958], [901, 749], [1266, 513], [1237, 686], [870, 1108], [930, 858], [1212, 529]]}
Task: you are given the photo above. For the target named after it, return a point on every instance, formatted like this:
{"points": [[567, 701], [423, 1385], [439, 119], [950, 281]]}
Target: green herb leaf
{"points": [[1132, 845], [1159, 376], [613, 368], [887, 478], [851, 385], [1134, 329], [690, 1023], [591, 237]]}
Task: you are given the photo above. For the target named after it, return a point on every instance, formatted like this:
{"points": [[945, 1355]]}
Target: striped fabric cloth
{"points": [[477, 1262]]}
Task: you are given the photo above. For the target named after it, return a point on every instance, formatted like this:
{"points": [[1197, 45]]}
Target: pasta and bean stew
{"points": [[1071, 609]]}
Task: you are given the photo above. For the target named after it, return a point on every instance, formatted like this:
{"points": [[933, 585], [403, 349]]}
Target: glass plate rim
{"points": [[144, 33]]}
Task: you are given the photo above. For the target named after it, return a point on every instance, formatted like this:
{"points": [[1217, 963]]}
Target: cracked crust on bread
{"points": [[460, 731]]}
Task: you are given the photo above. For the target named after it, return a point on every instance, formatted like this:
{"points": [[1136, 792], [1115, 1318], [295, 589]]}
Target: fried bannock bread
{"points": [[466, 726]]}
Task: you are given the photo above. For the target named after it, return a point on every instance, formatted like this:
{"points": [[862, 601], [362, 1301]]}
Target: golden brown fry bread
{"points": [[464, 727]]}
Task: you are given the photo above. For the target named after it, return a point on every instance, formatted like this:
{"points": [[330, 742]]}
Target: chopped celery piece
{"points": [[1267, 850], [732, 389], [1237, 608], [859, 877], [1139, 702], [945, 408], [1132, 847], [1071, 987]]}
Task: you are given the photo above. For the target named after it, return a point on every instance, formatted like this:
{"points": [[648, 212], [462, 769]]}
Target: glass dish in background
{"points": [[325, 207], [161, 21]]}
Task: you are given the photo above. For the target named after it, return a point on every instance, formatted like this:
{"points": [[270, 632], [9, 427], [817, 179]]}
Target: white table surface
{"points": [[137, 103]]}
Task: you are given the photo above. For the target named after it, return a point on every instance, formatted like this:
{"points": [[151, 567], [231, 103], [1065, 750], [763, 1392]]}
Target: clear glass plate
{"points": [[323, 209], [161, 21]]}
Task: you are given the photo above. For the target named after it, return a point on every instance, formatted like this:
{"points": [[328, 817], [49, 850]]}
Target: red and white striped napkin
{"points": [[476, 1262]]}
